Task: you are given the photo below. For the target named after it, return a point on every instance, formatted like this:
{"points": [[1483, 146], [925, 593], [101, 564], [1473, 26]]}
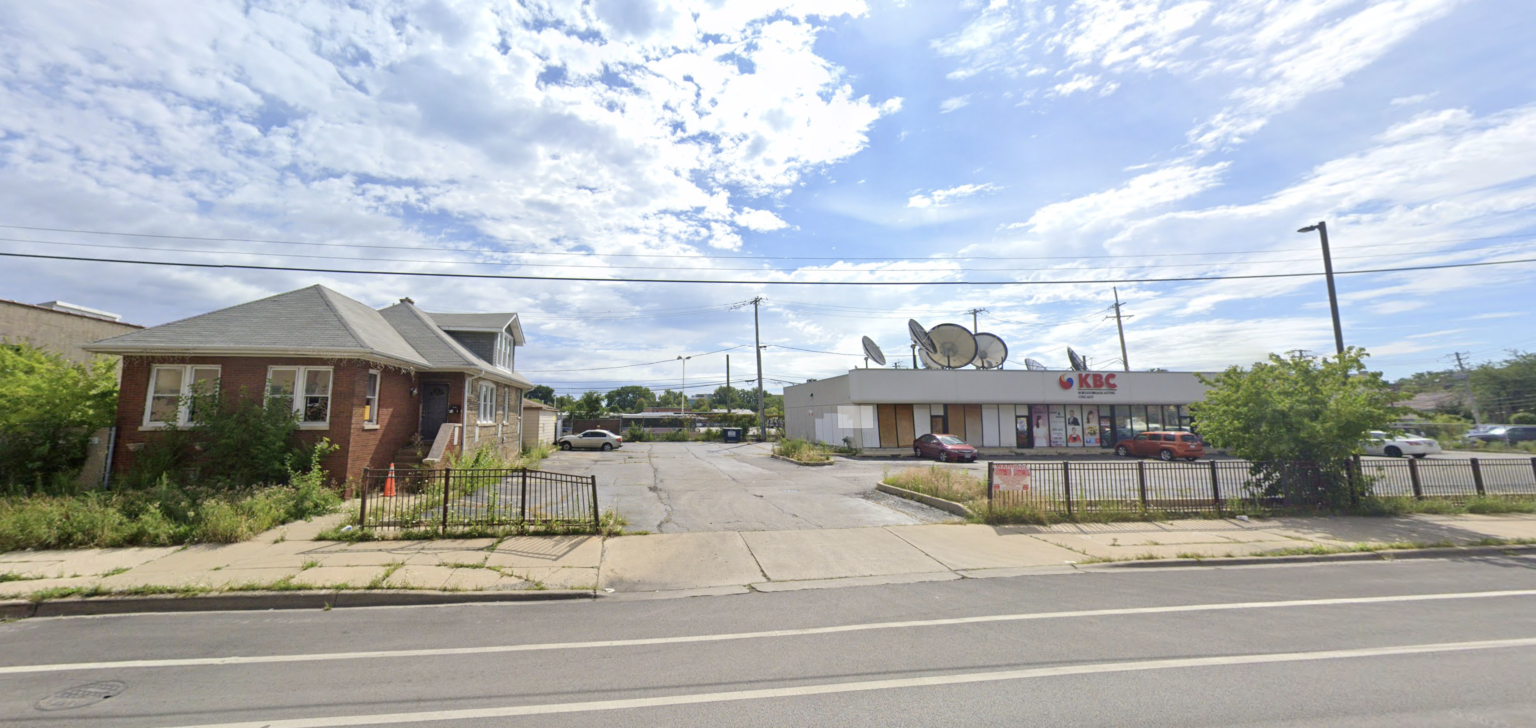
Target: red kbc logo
{"points": [[1088, 381]]}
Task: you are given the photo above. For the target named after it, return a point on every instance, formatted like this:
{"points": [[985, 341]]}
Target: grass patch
{"points": [[1402, 506], [13, 576], [951, 484], [802, 451]]}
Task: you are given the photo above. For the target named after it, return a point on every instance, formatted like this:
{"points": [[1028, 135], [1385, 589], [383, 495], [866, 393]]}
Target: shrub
{"points": [[49, 406], [1523, 418], [675, 436], [711, 434], [951, 484], [636, 433], [235, 442], [802, 451]]}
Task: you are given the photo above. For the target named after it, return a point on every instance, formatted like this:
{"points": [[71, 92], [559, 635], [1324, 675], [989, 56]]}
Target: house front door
{"points": [[434, 408]]}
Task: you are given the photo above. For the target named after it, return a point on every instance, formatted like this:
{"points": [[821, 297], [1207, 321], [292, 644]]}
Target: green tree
{"points": [[727, 397], [631, 398], [670, 398], [1298, 409], [543, 393], [1507, 387], [49, 405], [589, 406]]}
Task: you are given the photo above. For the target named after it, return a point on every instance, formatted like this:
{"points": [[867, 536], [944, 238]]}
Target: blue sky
{"points": [[793, 141]]}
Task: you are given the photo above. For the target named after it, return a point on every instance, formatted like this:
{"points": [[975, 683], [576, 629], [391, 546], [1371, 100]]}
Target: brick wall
{"points": [[503, 433], [359, 447]]}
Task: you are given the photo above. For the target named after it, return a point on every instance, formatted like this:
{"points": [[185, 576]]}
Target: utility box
{"points": [[732, 434]]}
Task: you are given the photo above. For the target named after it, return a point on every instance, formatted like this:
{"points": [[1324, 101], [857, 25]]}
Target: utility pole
{"points": [[757, 340], [1333, 295], [1466, 378], [684, 393], [975, 325], [728, 376], [1125, 359]]}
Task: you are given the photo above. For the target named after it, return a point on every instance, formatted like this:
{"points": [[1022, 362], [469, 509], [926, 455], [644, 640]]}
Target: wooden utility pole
{"points": [[1466, 378], [757, 338], [1125, 359]]}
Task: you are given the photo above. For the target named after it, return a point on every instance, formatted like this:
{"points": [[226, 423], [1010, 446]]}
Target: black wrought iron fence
{"points": [[1217, 486], [447, 499]]}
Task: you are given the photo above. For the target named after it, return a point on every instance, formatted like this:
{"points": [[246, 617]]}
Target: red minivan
{"points": [[1163, 445]]}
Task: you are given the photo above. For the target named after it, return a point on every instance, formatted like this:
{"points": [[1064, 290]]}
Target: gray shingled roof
{"points": [[314, 319], [478, 322], [441, 350]]}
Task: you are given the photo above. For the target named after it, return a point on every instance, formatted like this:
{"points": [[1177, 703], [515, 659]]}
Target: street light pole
{"points": [[684, 393], [1333, 294]]}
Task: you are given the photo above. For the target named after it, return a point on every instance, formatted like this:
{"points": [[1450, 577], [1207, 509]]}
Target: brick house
{"points": [[371, 381]]}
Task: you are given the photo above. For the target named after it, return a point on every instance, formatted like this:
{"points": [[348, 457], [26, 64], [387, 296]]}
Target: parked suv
{"points": [[591, 440], [1164, 445]]}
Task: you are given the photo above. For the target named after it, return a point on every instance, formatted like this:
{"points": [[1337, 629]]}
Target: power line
{"points": [[627, 366], [701, 281], [727, 257]]}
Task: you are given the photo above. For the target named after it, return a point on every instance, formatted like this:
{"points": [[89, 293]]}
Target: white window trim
{"points": [[183, 416], [482, 401], [300, 377], [371, 420]]}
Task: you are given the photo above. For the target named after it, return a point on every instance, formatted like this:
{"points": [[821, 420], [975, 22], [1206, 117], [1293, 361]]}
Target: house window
{"points": [[505, 349], [371, 399], [487, 402], [306, 389], [173, 393]]}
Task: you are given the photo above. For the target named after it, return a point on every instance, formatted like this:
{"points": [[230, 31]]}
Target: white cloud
{"points": [[1412, 100], [940, 198], [759, 220], [1141, 194], [954, 104]]}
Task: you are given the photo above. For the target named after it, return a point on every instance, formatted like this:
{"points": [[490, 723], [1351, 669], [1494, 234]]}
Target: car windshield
{"points": [[951, 440]]}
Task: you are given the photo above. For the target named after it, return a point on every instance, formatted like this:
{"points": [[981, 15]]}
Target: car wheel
{"points": [[1192, 458], [565, 446], [1165, 455], [1420, 456], [1122, 451], [917, 452], [1394, 452], [607, 446]]}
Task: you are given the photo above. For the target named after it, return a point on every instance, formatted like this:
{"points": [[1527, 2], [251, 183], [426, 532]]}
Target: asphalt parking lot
{"points": [[675, 487]]}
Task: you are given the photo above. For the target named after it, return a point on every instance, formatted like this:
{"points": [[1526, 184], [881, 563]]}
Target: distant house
{"points": [[58, 326], [371, 381]]}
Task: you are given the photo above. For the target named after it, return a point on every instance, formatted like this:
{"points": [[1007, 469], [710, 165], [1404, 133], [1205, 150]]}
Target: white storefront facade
{"points": [[1013, 410]]}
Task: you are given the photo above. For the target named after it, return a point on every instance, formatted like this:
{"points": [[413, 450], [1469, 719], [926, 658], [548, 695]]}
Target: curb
{"points": [[927, 500], [1384, 555], [266, 601], [797, 462]]}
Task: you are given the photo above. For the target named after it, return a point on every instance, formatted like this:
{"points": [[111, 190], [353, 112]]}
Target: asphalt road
{"points": [[1408, 643]]}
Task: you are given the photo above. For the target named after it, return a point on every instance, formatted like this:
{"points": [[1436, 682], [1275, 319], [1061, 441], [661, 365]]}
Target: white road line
{"points": [[729, 636], [872, 685]]}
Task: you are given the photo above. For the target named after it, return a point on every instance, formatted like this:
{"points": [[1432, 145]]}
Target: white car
{"points": [[1396, 446], [591, 440]]}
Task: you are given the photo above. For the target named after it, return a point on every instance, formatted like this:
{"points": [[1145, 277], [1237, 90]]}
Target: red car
{"points": [[1163, 445], [947, 448]]}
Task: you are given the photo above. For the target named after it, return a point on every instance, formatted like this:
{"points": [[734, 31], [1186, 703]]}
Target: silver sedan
{"points": [[591, 440]]}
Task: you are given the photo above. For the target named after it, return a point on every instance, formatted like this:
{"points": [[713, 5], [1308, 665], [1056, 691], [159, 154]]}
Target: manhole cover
{"points": [[82, 695]]}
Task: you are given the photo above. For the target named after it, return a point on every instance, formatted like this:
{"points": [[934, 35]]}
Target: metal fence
{"points": [[446, 499], [1215, 486]]}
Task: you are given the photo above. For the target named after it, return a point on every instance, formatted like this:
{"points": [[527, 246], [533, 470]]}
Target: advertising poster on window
{"points": [[1022, 432], [1058, 426], [1091, 423], [1074, 426]]}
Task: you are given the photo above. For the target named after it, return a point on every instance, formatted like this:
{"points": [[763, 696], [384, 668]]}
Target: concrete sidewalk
{"points": [[289, 559]]}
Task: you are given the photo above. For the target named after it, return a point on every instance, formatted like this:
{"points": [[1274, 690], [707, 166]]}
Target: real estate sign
{"points": [[1010, 476]]}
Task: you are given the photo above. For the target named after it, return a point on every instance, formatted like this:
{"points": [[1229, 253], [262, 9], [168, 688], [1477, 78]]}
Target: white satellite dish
{"points": [[1034, 366], [991, 352], [872, 351], [955, 346], [920, 336], [927, 359]]}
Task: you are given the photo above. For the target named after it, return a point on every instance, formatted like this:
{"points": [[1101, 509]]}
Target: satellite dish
{"points": [[1034, 366], [920, 337], [872, 351], [991, 352], [955, 346], [1078, 365], [927, 359]]}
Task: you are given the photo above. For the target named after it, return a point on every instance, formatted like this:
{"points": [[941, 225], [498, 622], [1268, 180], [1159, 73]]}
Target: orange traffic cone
{"points": [[389, 482]]}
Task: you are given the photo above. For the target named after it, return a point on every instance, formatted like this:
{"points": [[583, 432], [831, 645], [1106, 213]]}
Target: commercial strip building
{"points": [[1007, 410]]}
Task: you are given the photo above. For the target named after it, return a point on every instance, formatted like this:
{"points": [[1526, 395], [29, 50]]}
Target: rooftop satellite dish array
{"points": [[952, 346]]}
